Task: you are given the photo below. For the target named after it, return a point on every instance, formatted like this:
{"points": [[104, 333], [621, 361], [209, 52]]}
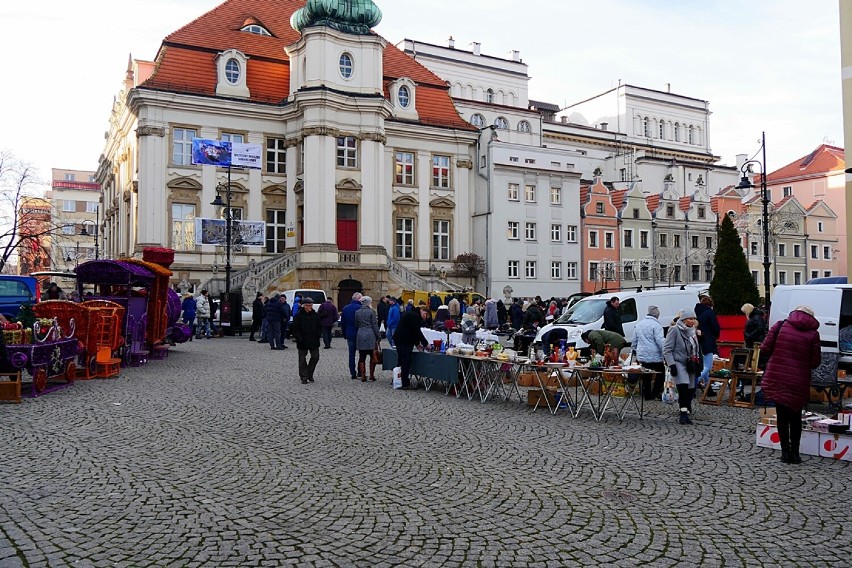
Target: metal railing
{"points": [[405, 276]]}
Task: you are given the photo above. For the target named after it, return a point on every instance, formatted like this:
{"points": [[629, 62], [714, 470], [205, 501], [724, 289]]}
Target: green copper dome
{"points": [[349, 16]]}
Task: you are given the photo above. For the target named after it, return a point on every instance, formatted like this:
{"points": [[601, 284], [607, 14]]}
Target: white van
{"points": [[832, 305], [318, 296], [587, 314]]}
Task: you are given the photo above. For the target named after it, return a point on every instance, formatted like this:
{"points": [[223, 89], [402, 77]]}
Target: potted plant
{"points": [[732, 286]]}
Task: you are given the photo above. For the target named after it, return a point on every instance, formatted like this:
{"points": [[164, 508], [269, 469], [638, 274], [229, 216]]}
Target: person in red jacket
{"points": [[793, 349]]}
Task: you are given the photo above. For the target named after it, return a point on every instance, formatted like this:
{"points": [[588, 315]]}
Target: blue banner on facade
{"points": [[211, 152]]}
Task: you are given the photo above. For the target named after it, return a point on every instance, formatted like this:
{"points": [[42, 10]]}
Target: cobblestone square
{"points": [[219, 456]]}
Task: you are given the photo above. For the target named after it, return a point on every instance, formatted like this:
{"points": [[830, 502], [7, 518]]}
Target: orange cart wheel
{"points": [[40, 379], [70, 371]]}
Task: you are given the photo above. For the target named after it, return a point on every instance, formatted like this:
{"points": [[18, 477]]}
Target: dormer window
{"points": [[501, 123], [347, 68], [256, 30], [477, 120], [232, 71], [403, 96]]}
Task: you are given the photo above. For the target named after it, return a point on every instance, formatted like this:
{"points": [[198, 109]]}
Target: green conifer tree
{"points": [[732, 284], [26, 316]]}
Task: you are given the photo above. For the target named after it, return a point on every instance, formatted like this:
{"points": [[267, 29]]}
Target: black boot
{"points": [[251, 337], [785, 454]]}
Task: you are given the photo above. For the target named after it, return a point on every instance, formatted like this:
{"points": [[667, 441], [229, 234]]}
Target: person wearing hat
{"points": [[307, 331], [793, 348], [683, 357], [648, 346], [256, 315]]}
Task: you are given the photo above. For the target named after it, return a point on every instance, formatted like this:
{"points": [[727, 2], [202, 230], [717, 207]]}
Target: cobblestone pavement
{"points": [[218, 456]]}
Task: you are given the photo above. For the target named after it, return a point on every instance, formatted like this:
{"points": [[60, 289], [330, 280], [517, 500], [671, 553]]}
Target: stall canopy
{"points": [[114, 273]]}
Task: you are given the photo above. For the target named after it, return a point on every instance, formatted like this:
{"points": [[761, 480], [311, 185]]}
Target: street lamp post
{"points": [[94, 235], [228, 221], [746, 184]]}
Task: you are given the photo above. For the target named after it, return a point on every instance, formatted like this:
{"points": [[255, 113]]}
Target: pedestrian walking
{"points": [[793, 348], [709, 331], [350, 329], [273, 322], [202, 312], [409, 334], [394, 314], [327, 313], [256, 315], [648, 344], [367, 338], [307, 332], [187, 307], [683, 356]]}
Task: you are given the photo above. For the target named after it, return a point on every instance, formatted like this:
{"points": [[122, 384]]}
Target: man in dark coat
{"points": [[328, 317], [612, 321], [273, 322], [708, 327], [533, 316], [256, 315], [307, 331], [408, 334], [382, 310], [350, 329], [516, 313]]}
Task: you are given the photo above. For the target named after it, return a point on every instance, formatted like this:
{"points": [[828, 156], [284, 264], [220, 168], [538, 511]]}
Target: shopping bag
{"points": [[377, 353], [397, 377], [382, 327], [669, 393]]}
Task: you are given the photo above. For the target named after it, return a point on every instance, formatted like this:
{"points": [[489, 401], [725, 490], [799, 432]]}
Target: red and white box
{"points": [[767, 437], [835, 446]]}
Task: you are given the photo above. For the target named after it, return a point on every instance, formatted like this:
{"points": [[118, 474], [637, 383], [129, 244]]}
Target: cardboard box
{"points": [[767, 437], [535, 396], [527, 380], [835, 446], [10, 390]]}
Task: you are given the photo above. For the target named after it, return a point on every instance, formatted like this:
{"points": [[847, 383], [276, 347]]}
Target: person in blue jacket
{"points": [[188, 309], [350, 330], [393, 320]]}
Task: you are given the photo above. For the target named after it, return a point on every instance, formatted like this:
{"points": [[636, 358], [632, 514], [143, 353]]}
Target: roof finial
{"points": [[348, 16]]}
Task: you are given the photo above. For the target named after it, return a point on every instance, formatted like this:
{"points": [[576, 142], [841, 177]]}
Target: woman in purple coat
{"points": [[792, 346]]}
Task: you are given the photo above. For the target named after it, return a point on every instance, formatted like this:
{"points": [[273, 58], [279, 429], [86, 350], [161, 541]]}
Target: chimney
{"points": [[604, 125], [516, 55], [564, 119], [668, 87], [476, 47], [451, 43]]}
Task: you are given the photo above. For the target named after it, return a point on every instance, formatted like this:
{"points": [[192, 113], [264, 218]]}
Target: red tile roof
{"points": [[823, 160], [618, 198], [653, 203], [186, 59], [685, 203], [584, 194]]}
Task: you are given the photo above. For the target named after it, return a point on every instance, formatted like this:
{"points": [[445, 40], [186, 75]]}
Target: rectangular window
{"points": [[826, 253], [814, 273], [708, 272], [755, 277], [514, 230], [69, 177], [782, 277], [702, 212], [404, 172], [609, 241], [441, 172], [276, 156], [677, 275], [593, 271], [797, 278], [529, 194], [69, 205], [514, 159], [571, 270], [694, 240], [826, 273], [183, 226], [232, 138], [643, 239], [635, 213], [556, 196], [797, 251], [753, 247], [593, 239], [708, 242], [644, 270], [782, 249], [276, 230], [676, 239], [696, 272], [556, 270], [404, 237], [788, 191], [529, 269], [68, 229], [571, 233], [819, 227], [669, 210], [529, 231], [512, 269], [814, 251], [556, 233], [182, 146], [628, 238], [514, 192], [92, 207], [441, 240], [599, 208], [664, 240], [347, 152]]}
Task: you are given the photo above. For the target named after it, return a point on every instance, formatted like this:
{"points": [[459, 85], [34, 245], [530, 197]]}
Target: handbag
{"points": [[669, 393], [377, 353]]}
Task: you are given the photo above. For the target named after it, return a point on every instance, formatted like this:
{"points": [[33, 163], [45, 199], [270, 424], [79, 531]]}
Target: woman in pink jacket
{"points": [[793, 349]]}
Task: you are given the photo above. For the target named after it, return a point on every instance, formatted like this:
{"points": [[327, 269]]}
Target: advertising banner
{"points": [[246, 156], [243, 233], [211, 152]]}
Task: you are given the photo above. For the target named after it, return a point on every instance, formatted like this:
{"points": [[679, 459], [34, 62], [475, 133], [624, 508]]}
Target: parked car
{"points": [[14, 291]]}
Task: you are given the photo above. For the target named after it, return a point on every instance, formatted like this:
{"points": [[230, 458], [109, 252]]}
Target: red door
{"points": [[347, 234]]}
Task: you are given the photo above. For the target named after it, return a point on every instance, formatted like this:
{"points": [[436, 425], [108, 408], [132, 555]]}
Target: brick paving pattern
{"points": [[219, 456]]}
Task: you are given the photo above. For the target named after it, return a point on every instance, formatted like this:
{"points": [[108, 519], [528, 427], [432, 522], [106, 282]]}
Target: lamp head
{"points": [[218, 201], [744, 183], [84, 232]]}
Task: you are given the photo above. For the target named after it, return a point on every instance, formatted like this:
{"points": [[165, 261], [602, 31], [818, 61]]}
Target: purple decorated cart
{"points": [[176, 331], [49, 358]]}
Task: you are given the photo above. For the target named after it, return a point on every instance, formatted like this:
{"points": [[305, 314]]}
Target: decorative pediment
{"points": [[184, 183], [277, 190], [405, 200], [442, 203], [299, 187], [349, 184]]}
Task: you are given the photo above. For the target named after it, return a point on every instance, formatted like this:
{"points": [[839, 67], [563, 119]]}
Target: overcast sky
{"points": [[770, 65]]}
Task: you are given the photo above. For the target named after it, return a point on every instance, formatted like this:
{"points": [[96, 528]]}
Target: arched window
{"points": [[524, 126], [403, 96], [232, 71], [691, 135], [501, 123], [646, 123], [255, 29], [662, 130], [489, 96], [346, 66], [477, 120], [677, 132]]}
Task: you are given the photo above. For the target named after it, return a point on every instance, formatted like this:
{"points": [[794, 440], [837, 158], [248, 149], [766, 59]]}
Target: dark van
{"points": [[14, 291]]}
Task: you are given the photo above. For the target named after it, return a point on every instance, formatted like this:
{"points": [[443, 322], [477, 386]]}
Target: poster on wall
{"points": [[211, 152], [244, 233]]}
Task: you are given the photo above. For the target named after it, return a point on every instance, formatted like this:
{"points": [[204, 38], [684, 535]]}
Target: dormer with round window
{"points": [[403, 97], [231, 71]]}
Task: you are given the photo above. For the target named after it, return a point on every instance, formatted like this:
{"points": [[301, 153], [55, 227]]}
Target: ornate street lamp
{"points": [[745, 183], [94, 234], [228, 221]]}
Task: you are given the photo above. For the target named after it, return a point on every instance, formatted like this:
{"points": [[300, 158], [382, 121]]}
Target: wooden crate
{"points": [[10, 390]]}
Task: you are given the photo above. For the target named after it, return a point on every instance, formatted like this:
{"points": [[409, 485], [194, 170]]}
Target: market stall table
{"points": [[599, 386], [426, 367]]}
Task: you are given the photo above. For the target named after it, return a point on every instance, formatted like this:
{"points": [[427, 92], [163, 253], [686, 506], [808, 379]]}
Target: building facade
{"points": [[75, 202]]}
